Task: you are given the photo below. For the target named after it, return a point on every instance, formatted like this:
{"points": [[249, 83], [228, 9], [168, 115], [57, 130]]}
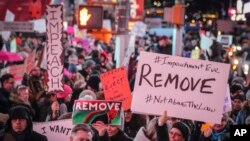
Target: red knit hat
{"points": [[67, 90]]}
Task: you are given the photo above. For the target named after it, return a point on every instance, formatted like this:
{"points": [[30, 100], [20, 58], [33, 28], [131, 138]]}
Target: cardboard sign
{"points": [[90, 111], [116, 87], [186, 88], [227, 102], [54, 25], [59, 130], [17, 26]]}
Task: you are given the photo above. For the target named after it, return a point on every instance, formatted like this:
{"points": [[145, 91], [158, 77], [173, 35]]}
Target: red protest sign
{"points": [[116, 87]]}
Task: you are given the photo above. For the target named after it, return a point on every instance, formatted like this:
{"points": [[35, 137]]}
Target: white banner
{"points": [[186, 88], [17, 26], [59, 130], [54, 25]]}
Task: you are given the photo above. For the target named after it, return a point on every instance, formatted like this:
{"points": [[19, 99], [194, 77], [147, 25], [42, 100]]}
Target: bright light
{"points": [[239, 48], [236, 61], [193, 21], [219, 33], [196, 48], [245, 69], [230, 53]]}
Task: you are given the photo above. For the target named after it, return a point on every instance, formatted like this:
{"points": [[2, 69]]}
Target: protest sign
{"points": [[17, 26], [206, 42], [90, 111], [139, 29], [227, 102], [59, 130], [130, 50], [116, 87], [186, 88], [30, 61], [54, 26], [225, 40], [39, 25], [9, 17]]}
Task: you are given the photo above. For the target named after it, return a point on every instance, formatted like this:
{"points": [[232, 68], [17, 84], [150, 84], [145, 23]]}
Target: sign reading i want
{"points": [[54, 28]]}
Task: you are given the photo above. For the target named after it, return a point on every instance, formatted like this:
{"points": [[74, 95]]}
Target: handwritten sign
{"points": [[59, 130], [186, 88], [116, 87], [17, 26], [54, 25], [90, 111]]}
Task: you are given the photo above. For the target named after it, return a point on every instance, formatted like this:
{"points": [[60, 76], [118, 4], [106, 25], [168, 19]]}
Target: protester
{"points": [[64, 99], [244, 113], [19, 126]]}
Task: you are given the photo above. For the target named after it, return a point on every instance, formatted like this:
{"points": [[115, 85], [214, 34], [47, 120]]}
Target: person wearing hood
{"points": [[19, 126], [244, 114]]}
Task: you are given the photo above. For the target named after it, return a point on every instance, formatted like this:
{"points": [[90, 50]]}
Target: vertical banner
{"points": [[54, 28], [116, 87]]}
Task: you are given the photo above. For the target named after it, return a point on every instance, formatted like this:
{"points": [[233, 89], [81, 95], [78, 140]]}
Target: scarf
{"points": [[215, 136]]}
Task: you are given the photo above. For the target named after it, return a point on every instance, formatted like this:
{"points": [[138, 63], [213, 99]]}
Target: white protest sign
{"points": [[9, 17], [186, 88], [225, 40], [227, 102], [17, 26], [59, 130], [139, 29], [39, 25], [206, 42], [130, 50], [54, 25]]}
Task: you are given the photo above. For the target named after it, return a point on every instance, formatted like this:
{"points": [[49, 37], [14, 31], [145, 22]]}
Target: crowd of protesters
{"points": [[28, 102]]}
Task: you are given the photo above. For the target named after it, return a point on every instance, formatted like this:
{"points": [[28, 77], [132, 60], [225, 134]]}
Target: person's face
{"points": [[176, 135], [24, 95], [236, 104], [128, 116], [19, 125], [9, 84], [67, 98], [55, 106], [112, 130], [81, 136], [219, 127]]}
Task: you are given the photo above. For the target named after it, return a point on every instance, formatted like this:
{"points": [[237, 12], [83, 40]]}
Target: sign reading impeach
{"points": [[54, 26], [186, 88]]}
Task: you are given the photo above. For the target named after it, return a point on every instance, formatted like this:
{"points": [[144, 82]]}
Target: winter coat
{"points": [[243, 115], [34, 136], [140, 136], [120, 136]]}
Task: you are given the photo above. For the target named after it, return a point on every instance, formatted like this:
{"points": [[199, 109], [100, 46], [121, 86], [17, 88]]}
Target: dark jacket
{"points": [[5, 102], [34, 136], [121, 136], [243, 114]]}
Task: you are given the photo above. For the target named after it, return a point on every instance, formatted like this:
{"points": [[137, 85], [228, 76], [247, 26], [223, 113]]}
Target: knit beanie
{"points": [[67, 90], [183, 128], [87, 95]]}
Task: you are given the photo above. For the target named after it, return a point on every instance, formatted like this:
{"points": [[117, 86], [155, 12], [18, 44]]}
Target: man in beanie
{"points": [[237, 101], [19, 126]]}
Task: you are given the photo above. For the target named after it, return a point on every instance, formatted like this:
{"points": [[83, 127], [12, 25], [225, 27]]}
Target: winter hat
{"points": [[248, 95], [87, 95], [183, 128], [72, 68], [238, 95], [19, 112], [67, 90], [235, 87], [163, 37], [93, 82]]}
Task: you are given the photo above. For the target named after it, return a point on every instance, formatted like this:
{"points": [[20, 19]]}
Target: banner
{"points": [[90, 111], [116, 87], [186, 88], [17, 26], [59, 130], [54, 26]]}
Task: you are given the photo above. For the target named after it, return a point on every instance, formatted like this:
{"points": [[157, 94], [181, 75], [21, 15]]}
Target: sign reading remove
{"points": [[186, 88]]}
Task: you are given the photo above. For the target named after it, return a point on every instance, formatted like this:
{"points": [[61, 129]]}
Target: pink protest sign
{"points": [[54, 28], [185, 88]]}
